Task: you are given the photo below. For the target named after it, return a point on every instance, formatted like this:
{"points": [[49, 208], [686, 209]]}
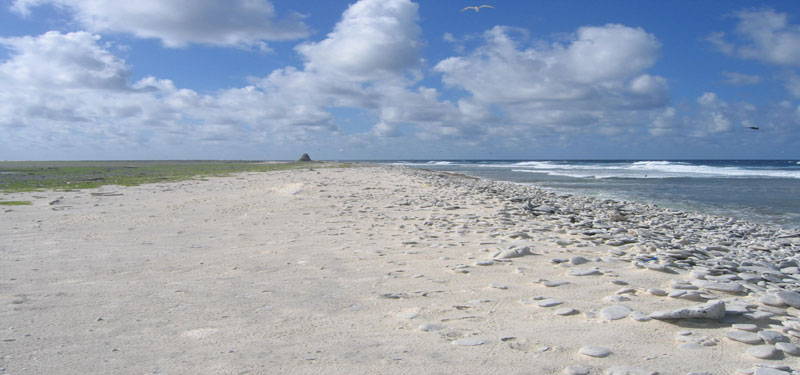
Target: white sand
{"points": [[268, 273]]}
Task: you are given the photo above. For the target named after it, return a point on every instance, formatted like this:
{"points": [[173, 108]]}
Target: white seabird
{"points": [[477, 7]]}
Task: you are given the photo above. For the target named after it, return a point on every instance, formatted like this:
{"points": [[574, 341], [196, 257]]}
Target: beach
{"points": [[387, 269]]}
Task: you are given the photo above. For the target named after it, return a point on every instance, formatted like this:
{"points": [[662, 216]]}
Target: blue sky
{"points": [[399, 79]]}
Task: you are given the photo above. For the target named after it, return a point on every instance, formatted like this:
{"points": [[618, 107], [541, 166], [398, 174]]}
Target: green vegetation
{"points": [[15, 203], [72, 175]]}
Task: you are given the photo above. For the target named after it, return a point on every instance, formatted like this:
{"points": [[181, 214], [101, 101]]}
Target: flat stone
{"points": [[615, 312], [595, 351], [577, 370], [698, 274], [583, 272], [640, 316], [468, 342], [566, 311], [714, 309], [733, 308], [625, 291], [628, 370], [696, 296], [789, 298], [771, 300], [680, 284], [611, 299], [553, 284], [657, 292], [514, 253], [762, 351], [676, 293], [769, 371], [729, 287], [745, 337], [771, 337], [788, 348], [792, 323], [430, 327], [774, 310], [658, 267], [550, 302], [758, 315], [745, 327], [578, 260]]}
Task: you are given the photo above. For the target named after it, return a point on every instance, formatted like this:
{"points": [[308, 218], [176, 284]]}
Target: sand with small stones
{"points": [[361, 270]]}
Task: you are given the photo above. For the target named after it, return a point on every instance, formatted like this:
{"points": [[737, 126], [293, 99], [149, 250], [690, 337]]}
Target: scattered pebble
{"points": [[578, 260], [566, 311], [769, 371], [430, 327], [553, 284], [615, 312], [771, 337], [745, 327], [743, 336], [789, 298], [550, 302], [595, 351], [788, 348], [627, 370], [583, 272], [762, 351], [468, 342], [577, 370]]}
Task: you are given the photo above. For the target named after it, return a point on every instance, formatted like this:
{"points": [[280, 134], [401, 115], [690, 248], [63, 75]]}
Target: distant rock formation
{"points": [[305, 157]]}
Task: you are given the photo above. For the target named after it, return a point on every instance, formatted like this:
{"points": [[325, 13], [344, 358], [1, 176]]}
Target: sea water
{"points": [[762, 191]]}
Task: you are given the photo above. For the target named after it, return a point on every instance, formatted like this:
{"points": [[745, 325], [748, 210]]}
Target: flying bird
{"points": [[753, 127], [477, 7]]}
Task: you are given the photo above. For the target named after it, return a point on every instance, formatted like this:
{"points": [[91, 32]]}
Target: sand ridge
{"points": [[342, 270]]}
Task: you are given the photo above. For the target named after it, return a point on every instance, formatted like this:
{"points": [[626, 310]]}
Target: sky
{"points": [[399, 79]]}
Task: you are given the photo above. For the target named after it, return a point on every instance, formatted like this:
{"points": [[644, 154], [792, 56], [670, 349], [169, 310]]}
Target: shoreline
{"points": [[744, 198], [384, 269]]}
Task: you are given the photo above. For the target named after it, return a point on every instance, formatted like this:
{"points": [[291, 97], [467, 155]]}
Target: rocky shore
{"points": [[384, 269], [736, 271]]}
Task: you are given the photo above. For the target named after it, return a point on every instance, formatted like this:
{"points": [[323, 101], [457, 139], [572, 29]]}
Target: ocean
{"points": [[761, 191]]}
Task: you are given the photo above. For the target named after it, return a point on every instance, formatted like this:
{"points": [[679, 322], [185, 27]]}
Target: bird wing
{"points": [[486, 6], [476, 9]]}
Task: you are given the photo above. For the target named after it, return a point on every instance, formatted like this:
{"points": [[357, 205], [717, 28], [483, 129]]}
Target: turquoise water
{"points": [[763, 191]]}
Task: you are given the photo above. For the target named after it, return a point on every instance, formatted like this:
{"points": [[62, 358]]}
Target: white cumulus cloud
{"points": [[180, 22], [374, 39], [597, 79], [67, 88], [764, 35], [55, 60]]}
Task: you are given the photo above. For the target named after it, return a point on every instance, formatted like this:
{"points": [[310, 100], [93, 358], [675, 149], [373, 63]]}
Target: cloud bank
{"points": [[178, 23], [69, 92]]}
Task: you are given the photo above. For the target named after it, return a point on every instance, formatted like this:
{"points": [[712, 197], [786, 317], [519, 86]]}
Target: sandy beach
{"points": [[386, 270]]}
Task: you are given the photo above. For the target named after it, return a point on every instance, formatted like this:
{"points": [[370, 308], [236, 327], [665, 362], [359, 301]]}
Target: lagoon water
{"points": [[763, 191]]}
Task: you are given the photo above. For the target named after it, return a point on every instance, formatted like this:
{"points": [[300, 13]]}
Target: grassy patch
{"points": [[15, 203], [71, 175]]}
